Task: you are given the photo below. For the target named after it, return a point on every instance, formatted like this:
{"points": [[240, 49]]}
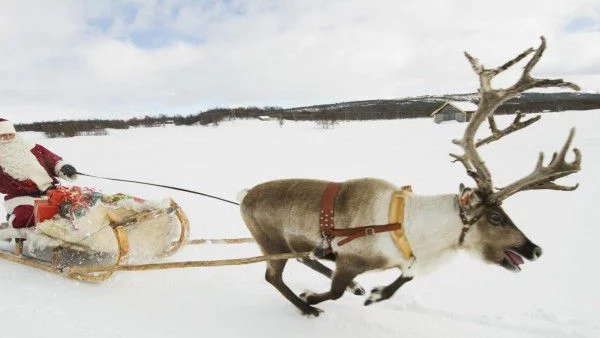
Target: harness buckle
{"points": [[369, 231]]}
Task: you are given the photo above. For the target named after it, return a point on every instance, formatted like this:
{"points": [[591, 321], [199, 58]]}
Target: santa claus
{"points": [[27, 172]]}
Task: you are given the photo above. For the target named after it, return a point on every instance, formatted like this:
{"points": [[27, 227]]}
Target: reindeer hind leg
{"points": [[274, 275], [272, 243]]}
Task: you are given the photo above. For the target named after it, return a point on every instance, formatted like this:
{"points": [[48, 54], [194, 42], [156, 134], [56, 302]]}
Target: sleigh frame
{"points": [[57, 264]]}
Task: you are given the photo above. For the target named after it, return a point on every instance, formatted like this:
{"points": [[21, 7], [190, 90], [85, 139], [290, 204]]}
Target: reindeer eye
{"points": [[494, 218]]}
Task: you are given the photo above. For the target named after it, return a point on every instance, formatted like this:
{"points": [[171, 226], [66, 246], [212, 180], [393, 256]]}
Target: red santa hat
{"points": [[6, 127]]}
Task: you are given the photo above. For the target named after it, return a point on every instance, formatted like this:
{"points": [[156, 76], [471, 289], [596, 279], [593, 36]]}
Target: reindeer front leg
{"points": [[345, 272], [353, 287], [385, 292]]}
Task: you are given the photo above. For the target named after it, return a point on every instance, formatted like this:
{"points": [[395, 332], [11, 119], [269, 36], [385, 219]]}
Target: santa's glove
{"points": [[68, 171]]}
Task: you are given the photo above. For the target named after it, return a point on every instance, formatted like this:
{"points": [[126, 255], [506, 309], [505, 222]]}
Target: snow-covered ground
{"points": [[557, 296]]}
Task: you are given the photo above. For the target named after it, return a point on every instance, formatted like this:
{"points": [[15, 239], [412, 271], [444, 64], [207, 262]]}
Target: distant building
{"points": [[264, 118], [454, 111]]}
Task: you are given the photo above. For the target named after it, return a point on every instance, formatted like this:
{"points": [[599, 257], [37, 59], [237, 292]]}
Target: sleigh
{"points": [[80, 228]]}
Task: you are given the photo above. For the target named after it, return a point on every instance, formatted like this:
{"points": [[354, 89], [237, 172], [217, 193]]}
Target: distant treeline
{"points": [[326, 115], [72, 128], [553, 102]]}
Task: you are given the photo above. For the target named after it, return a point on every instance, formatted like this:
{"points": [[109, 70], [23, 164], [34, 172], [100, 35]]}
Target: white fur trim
{"points": [[12, 203], [17, 160], [57, 167], [37, 241], [9, 233], [34, 239], [7, 128]]}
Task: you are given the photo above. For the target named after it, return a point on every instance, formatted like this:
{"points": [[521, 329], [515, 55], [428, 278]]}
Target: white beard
{"points": [[18, 162]]}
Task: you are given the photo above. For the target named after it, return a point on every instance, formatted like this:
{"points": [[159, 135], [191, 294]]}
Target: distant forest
{"points": [[327, 115]]}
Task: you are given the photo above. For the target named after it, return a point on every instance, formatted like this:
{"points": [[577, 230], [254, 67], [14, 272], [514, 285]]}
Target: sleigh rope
{"points": [[188, 264]]}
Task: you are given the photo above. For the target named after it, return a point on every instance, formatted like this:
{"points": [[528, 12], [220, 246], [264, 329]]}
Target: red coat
{"points": [[26, 171]]}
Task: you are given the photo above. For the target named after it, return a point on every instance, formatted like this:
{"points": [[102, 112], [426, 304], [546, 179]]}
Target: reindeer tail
{"points": [[240, 195]]}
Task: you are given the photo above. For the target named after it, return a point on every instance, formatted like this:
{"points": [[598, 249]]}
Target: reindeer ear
{"points": [[468, 197], [461, 187]]}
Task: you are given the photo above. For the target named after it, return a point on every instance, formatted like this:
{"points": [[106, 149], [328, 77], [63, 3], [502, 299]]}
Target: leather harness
{"points": [[467, 223], [329, 231]]}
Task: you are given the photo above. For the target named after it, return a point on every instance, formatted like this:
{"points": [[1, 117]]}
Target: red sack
{"points": [[43, 210]]}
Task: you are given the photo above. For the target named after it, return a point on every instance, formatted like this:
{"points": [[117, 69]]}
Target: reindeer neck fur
{"points": [[432, 226]]}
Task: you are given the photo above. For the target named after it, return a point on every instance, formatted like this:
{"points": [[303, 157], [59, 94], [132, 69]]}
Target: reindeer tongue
{"points": [[515, 258]]}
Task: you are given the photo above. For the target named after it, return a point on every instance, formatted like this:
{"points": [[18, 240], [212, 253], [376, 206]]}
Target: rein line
{"points": [[162, 186]]}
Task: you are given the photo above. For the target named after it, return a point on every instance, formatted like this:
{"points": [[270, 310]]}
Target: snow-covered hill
{"points": [[557, 296], [530, 102]]}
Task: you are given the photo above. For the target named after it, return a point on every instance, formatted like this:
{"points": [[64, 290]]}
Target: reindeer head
{"points": [[494, 236]]}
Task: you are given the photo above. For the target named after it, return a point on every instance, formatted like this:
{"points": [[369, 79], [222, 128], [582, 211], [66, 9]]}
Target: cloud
{"points": [[122, 58]]}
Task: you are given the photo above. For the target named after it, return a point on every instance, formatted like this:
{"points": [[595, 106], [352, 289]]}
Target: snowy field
{"points": [[556, 296]]}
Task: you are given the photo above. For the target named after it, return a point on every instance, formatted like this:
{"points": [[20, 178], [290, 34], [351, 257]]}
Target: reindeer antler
{"points": [[489, 99]]}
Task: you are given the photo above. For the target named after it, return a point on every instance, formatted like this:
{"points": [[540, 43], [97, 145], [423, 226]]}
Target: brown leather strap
{"points": [[327, 205], [328, 225], [354, 233]]}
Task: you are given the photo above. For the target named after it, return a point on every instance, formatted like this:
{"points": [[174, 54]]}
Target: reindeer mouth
{"points": [[512, 260]]}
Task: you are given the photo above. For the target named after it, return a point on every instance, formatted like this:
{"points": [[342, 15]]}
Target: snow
{"points": [[556, 296], [464, 105]]}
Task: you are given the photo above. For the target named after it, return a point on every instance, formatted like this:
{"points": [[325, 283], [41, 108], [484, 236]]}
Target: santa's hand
{"points": [[69, 171]]}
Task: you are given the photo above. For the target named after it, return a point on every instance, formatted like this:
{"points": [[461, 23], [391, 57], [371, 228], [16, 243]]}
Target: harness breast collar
{"points": [[329, 231]]}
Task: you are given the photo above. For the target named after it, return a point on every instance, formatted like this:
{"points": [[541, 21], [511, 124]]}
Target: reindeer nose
{"points": [[537, 252]]}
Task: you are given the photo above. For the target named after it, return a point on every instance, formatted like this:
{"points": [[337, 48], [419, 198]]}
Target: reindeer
{"points": [[283, 215]]}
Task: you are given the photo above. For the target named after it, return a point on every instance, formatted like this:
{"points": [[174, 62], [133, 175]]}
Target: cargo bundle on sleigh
{"points": [[80, 227]]}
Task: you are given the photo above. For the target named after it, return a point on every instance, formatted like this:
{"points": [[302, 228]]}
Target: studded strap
{"points": [[327, 213], [327, 222]]}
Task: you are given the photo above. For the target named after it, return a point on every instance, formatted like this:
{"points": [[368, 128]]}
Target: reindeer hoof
{"points": [[311, 311], [375, 296], [357, 289]]}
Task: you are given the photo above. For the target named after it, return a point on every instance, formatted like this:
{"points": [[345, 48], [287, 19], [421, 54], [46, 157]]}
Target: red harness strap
{"points": [[328, 225]]}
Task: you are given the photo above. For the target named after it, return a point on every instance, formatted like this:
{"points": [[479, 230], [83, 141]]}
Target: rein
{"points": [[467, 224], [162, 186]]}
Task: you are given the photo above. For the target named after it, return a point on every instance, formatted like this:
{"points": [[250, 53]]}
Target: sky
{"points": [[67, 59]]}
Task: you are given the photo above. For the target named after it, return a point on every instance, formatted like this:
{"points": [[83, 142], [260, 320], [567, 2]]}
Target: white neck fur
{"points": [[432, 227]]}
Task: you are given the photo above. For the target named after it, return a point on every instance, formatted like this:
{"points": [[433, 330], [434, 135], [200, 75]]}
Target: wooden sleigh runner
{"points": [[107, 235]]}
